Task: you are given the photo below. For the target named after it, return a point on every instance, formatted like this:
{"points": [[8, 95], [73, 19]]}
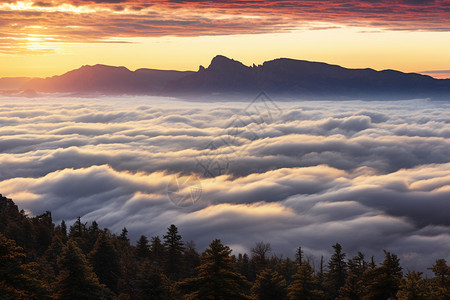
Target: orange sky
{"points": [[48, 37]]}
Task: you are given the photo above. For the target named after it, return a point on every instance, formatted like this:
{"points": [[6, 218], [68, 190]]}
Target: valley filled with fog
{"points": [[369, 175]]}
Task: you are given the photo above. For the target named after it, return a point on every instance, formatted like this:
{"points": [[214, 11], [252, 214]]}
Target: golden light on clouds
{"points": [[375, 174], [43, 38]]}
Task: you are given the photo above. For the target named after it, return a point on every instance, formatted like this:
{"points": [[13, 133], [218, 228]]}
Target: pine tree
{"points": [[384, 281], [79, 234], [242, 265], [43, 229], [15, 225], [129, 269], [152, 283], [142, 248], [413, 287], [105, 261], [78, 229], [216, 277], [63, 228], [299, 256], [191, 258], [353, 288], [18, 279], [76, 279], [372, 264], [53, 252], [124, 235], [174, 253], [157, 250], [94, 228], [337, 271], [321, 275], [269, 285], [29, 264], [287, 268], [304, 286], [441, 282]]}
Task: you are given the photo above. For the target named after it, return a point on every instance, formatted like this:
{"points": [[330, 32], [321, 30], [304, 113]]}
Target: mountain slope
{"points": [[106, 80], [291, 77], [228, 77], [12, 83]]}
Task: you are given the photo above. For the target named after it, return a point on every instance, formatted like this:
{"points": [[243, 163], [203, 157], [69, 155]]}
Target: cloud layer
{"points": [[370, 175], [31, 26]]}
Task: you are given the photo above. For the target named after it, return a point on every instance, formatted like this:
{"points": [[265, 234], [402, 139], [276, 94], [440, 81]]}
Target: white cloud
{"points": [[371, 175]]}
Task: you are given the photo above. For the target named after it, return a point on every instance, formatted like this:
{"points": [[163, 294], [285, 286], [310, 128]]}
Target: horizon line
{"points": [[425, 73]]}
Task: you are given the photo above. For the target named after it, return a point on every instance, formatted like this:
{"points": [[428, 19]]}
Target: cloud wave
{"points": [[371, 175]]}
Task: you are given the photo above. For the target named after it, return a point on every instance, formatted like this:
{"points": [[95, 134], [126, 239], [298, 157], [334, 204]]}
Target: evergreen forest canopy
{"points": [[41, 260]]}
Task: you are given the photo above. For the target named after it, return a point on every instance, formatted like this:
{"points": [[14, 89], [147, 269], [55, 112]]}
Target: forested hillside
{"points": [[41, 260]]}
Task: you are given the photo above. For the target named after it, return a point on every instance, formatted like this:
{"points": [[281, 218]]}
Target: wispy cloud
{"points": [[25, 24]]}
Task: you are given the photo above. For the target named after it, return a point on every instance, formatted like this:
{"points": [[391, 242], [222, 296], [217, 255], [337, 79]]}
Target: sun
{"points": [[37, 43]]}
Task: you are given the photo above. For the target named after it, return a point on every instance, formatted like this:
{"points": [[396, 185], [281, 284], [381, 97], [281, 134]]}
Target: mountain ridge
{"points": [[228, 77]]}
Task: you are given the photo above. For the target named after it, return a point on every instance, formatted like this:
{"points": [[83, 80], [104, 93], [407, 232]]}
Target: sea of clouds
{"points": [[369, 175]]}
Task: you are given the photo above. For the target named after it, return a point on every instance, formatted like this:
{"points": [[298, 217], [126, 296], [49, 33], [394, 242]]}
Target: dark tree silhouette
{"points": [[105, 261], [191, 259], [129, 269], [18, 279], [152, 283], [157, 250], [304, 285], [76, 279], [269, 285], [38, 260], [63, 228], [441, 281], [354, 286], [299, 256], [259, 255], [78, 229], [124, 235], [174, 253], [216, 277], [242, 265], [43, 228], [143, 248], [54, 251], [413, 287], [337, 271], [384, 281]]}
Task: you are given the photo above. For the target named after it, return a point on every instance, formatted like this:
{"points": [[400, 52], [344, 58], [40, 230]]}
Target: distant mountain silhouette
{"points": [[291, 77], [107, 80], [12, 83], [228, 77]]}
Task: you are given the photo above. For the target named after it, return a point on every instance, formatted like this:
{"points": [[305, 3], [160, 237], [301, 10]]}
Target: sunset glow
{"points": [[224, 149], [44, 38]]}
